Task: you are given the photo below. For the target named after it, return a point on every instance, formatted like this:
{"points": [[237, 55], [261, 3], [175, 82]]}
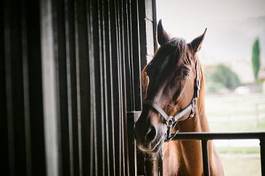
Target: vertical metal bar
{"points": [[104, 31], [83, 84], [109, 90], [70, 44], [26, 97], [136, 59], [119, 94], [113, 81], [51, 109], [128, 77], [61, 75], [262, 156], [78, 119], [105, 51], [205, 157], [3, 94], [34, 127], [69, 86], [102, 153], [9, 86], [154, 24], [91, 44], [95, 103], [101, 99], [121, 82]]}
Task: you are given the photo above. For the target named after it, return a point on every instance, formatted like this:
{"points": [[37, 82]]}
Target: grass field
{"points": [[236, 112], [232, 112], [241, 165]]}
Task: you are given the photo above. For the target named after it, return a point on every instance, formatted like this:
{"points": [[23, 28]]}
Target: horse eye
{"points": [[182, 73], [185, 72]]}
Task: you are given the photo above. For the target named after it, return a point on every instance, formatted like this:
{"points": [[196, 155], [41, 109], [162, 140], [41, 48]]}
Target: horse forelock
{"points": [[175, 46]]}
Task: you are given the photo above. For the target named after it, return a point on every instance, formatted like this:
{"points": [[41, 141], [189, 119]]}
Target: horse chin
{"points": [[152, 147]]}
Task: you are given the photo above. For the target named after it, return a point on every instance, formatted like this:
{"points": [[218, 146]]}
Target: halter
{"points": [[188, 112]]}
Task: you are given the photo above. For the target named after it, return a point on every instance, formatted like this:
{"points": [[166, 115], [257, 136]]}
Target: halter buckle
{"points": [[193, 108], [171, 120]]}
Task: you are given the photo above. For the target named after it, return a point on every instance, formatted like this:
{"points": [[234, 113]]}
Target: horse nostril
{"points": [[150, 135]]}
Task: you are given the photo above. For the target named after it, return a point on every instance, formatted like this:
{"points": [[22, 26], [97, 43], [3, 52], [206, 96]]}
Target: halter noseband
{"points": [[188, 112]]}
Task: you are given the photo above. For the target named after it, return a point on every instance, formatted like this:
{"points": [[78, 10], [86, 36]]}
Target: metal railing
{"points": [[204, 137]]}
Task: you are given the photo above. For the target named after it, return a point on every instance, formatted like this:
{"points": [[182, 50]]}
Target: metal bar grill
{"points": [[205, 157], [205, 136], [71, 85], [262, 154]]}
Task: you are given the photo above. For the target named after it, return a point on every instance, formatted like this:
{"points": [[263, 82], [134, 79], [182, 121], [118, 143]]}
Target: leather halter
{"points": [[188, 112]]}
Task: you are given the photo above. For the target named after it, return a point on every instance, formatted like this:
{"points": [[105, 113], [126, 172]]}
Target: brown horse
{"points": [[174, 90]]}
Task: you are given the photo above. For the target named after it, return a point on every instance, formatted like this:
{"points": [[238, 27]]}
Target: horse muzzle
{"points": [[150, 140]]}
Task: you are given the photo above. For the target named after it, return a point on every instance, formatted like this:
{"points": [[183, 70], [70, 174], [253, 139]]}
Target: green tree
{"points": [[256, 58], [222, 77]]}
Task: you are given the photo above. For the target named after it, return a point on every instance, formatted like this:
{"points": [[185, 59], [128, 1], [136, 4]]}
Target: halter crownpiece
{"points": [[188, 112]]}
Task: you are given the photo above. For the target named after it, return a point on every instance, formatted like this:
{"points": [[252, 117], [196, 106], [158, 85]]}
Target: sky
{"points": [[211, 9], [232, 25]]}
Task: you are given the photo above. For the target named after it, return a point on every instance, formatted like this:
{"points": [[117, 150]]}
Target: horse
{"points": [[173, 87]]}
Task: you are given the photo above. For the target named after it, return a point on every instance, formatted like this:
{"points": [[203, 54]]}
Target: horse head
{"points": [[168, 83]]}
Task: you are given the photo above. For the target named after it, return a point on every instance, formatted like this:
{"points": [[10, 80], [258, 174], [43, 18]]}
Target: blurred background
{"points": [[233, 55]]}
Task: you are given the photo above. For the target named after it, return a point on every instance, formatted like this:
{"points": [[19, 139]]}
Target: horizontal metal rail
{"points": [[205, 136], [219, 136]]}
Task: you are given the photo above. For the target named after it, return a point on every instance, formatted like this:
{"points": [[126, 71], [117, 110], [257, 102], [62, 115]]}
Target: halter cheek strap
{"points": [[184, 114]]}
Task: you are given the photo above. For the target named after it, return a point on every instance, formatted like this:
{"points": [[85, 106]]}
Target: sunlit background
{"points": [[234, 42]]}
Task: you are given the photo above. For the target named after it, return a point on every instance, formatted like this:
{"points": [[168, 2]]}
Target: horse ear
{"points": [[162, 35], [196, 43]]}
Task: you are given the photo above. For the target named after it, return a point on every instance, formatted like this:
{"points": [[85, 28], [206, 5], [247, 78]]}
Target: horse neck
{"points": [[201, 115]]}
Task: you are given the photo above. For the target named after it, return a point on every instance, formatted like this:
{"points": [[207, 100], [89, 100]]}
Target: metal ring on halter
{"points": [[171, 120]]}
